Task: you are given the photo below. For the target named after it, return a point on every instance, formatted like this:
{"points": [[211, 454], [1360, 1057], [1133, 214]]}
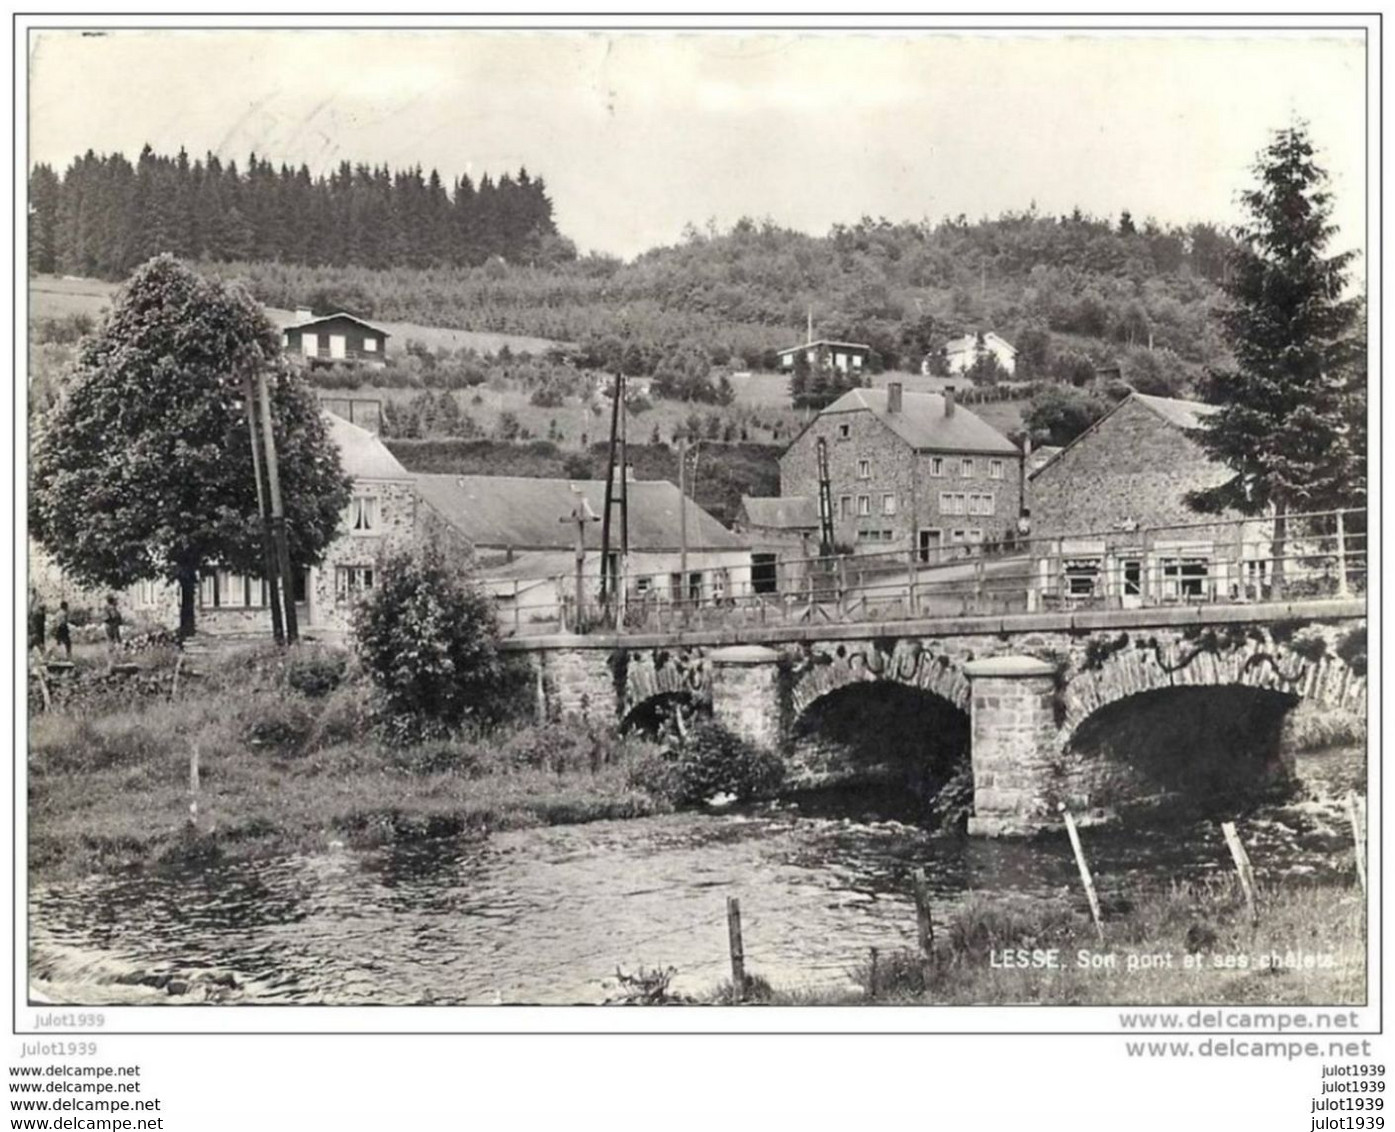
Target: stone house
{"points": [[385, 513], [1098, 503], [909, 470]]}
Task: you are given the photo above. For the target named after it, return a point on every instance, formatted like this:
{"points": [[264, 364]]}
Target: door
{"points": [[337, 344], [309, 344], [1131, 582], [931, 539]]}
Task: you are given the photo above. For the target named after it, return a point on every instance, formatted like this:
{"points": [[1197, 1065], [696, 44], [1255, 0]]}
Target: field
{"points": [[52, 296]]}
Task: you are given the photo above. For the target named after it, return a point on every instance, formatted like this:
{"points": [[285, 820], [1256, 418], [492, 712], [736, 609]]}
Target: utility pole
{"points": [[621, 579], [682, 521], [273, 597], [609, 486], [278, 515]]}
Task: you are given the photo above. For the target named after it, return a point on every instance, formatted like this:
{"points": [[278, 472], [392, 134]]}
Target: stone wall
{"points": [[398, 527], [1133, 468]]}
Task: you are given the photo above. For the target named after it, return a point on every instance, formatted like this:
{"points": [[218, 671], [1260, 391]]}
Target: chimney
{"points": [[893, 397], [303, 314], [949, 401]]}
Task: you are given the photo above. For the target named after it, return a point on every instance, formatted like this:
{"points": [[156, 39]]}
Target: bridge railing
{"points": [[1319, 554]]}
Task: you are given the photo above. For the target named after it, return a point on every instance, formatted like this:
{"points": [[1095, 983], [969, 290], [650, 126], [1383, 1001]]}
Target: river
{"points": [[547, 915]]}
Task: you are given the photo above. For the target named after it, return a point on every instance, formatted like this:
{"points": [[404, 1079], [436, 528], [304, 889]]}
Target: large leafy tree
{"points": [[1291, 409], [143, 469]]}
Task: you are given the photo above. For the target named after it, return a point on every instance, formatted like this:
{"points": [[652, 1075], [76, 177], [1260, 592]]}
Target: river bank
{"points": [[287, 764]]}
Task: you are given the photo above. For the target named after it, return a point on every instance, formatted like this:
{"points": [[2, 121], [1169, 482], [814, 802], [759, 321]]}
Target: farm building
{"points": [[331, 338], [525, 540]]}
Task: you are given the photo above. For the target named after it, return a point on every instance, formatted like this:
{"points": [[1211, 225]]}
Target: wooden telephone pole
{"points": [[278, 514], [278, 627]]}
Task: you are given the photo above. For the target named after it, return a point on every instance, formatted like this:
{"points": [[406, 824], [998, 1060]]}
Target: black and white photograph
{"points": [[776, 515]]}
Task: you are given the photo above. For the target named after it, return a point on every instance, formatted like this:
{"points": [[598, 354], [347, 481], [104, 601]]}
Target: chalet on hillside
{"points": [[330, 338], [1097, 504], [961, 353], [845, 357], [909, 470]]}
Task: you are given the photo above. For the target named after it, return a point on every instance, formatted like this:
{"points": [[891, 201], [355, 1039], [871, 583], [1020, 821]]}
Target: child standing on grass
{"points": [[61, 633], [112, 620]]}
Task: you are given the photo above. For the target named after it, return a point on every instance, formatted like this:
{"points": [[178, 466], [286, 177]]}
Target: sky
{"points": [[638, 135]]}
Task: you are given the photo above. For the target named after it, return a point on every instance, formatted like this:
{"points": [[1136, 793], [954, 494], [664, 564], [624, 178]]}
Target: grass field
{"points": [[53, 296]]}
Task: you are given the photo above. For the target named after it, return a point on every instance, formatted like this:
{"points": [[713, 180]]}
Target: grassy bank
{"points": [[287, 762], [1193, 943]]}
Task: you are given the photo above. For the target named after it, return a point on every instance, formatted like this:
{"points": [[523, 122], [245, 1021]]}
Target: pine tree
{"points": [[1291, 406]]}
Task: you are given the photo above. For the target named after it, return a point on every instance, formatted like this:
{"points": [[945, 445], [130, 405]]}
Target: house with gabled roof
{"points": [[909, 470], [1111, 508], [334, 338]]}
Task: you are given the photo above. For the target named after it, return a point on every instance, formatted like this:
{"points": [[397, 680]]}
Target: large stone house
{"points": [[385, 513], [1110, 520], [909, 470]]}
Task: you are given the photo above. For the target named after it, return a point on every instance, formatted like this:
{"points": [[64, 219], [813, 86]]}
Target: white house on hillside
{"points": [[961, 353]]}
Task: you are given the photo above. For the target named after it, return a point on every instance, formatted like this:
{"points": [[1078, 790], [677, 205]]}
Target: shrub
{"points": [[284, 725], [316, 674], [428, 639], [712, 760]]}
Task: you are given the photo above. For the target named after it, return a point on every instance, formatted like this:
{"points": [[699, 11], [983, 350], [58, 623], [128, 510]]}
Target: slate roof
{"points": [[362, 454], [1174, 411], [922, 423], [525, 513], [337, 314], [1184, 414], [781, 512]]}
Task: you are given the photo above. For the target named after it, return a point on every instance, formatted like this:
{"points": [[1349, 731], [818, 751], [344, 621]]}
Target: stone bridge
{"points": [[1027, 682]]}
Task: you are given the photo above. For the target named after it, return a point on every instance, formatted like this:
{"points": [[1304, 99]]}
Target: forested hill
{"points": [[1072, 292], [105, 215]]}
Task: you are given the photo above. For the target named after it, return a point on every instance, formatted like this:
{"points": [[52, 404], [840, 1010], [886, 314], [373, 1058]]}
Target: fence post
{"points": [[1242, 867], [1358, 837], [914, 566], [925, 926], [738, 955], [1342, 563], [194, 785], [1085, 878]]}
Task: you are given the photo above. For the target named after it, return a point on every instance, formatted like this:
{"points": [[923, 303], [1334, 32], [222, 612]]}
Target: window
{"points": [[937, 465], [981, 504], [219, 589], [643, 584], [764, 573], [864, 469], [995, 469], [952, 503], [845, 506], [976, 535], [957, 536], [1185, 577], [844, 431], [888, 504], [886, 536], [864, 504], [352, 581], [370, 345], [966, 468], [1081, 576], [362, 516], [285, 339]]}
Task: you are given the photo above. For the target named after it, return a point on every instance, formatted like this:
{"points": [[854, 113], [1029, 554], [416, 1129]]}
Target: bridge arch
{"points": [[1307, 666], [658, 675], [826, 669]]}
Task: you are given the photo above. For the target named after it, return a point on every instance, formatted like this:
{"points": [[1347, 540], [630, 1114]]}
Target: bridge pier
{"points": [[1013, 734], [746, 692]]}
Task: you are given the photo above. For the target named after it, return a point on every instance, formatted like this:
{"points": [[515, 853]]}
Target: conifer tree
{"points": [[1291, 409]]}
